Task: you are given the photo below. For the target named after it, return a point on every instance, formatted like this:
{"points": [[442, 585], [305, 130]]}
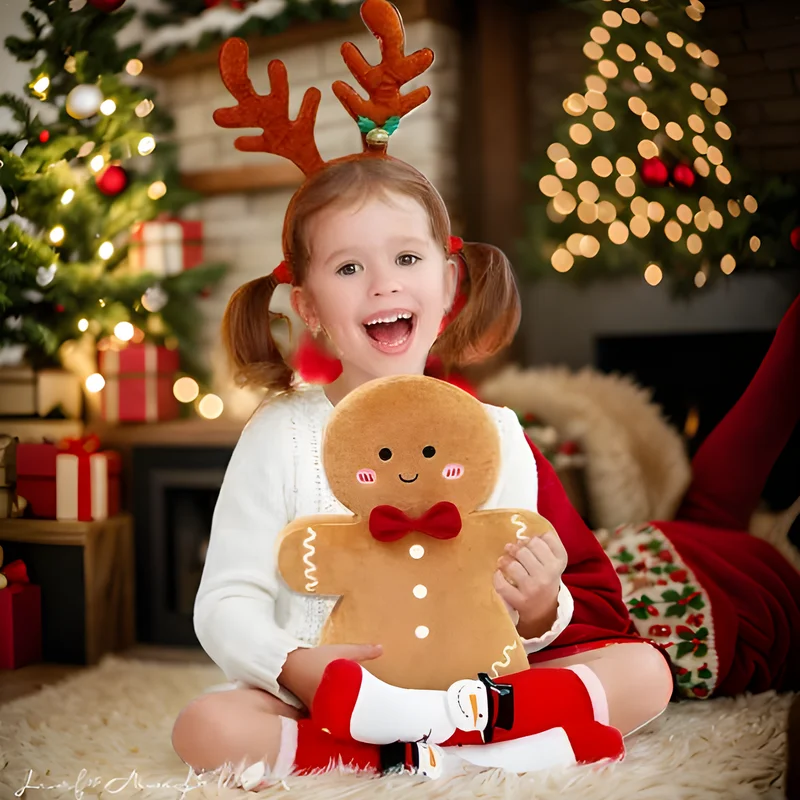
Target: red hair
{"points": [[486, 324]]}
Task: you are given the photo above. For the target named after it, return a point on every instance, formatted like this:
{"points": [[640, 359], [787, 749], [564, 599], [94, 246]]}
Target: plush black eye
{"points": [[429, 451], [384, 454]]}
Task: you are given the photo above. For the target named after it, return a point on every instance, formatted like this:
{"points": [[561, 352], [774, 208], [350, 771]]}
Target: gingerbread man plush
{"points": [[413, 458]]}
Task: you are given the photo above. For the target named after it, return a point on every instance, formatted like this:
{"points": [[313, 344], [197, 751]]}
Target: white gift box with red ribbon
{"points": [[87, 486], [166, 247]]}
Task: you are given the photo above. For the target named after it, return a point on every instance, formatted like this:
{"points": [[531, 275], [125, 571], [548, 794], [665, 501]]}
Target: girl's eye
{"points": [[407, 260], [348, 269]]}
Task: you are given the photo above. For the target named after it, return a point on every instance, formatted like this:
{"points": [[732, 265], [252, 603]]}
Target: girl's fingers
{"points": [[529, 560], [506, 591], [514, 572], [556, 545]]}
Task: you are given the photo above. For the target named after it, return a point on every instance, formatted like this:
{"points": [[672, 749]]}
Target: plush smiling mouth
{"points": [[392, 330], [411, 480]]}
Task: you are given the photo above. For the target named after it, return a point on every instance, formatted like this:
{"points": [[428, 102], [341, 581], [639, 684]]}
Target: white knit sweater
{"points": [[245, 616]]}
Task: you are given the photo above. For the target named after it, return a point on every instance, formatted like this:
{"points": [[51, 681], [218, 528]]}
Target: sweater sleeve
{"points": [[519, 488], [234, 611]]}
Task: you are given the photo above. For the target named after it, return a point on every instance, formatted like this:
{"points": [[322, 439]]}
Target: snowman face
{"points": [[430, 760], [467, 705]]}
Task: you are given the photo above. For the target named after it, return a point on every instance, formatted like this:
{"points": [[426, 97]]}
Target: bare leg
{"points": [[635, 676], [230, 727]]}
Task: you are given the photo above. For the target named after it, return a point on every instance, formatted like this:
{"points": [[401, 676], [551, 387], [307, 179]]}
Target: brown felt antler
{"points": [[383, 81], [283, 137]]}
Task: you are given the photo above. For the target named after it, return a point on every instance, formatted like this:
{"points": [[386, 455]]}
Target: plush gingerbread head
{"points": [[413, 458]]}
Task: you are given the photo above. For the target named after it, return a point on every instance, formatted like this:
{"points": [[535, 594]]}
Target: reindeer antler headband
{"points": [[377, 118]]}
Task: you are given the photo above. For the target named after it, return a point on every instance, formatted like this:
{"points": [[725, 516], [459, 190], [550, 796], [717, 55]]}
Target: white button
{"points": [[416, 551], [420, 591], [421, 632]]}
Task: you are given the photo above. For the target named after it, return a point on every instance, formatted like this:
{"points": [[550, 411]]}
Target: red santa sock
{"points": [[733, 463], [352, 703], [306, 748]]}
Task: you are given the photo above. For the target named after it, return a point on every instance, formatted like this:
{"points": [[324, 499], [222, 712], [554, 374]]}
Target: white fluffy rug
{"points": [[108, 730]]}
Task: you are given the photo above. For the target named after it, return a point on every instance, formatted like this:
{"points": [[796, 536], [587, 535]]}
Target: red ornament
{"points": [[112, 180], [683, 176], [107, 5], [44, 137], [794, 238], [60, 308], [654, 172]]}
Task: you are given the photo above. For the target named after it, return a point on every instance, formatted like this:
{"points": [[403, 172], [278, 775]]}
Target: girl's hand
{"points": [[528, 577]]}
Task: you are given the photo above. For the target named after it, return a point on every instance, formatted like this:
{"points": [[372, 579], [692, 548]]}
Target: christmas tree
{"points": [[642, 176], [82, 165]]}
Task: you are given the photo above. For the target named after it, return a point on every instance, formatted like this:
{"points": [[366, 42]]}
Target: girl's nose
{"points": [[384, 283]]}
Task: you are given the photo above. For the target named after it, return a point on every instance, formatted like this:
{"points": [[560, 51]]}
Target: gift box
{"points": [[20, 617], [37, 479], [28, 392], [87, 481], [139, 382], [8, 459], [166, 247]]}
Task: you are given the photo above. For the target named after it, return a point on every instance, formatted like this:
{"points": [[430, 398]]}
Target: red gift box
{"points": [[20, 619], [139, 382], [166, 246], [36, 478], [87, 481]]}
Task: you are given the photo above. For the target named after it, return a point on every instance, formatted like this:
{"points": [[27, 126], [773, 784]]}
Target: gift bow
{"points": [[15, 572], [80, 446], [441, 521]]}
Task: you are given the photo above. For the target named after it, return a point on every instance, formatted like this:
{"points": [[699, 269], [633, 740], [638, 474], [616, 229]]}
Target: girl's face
{"points": [[378, 284]]}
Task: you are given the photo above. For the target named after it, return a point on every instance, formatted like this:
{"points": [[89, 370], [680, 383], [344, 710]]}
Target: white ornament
{"points": [[14, 323], [45, 275], [154, 299], [84, 101], [33, 296]]}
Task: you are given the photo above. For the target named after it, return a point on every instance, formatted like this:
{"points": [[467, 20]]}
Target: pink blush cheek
{"points": [[366, 476], [453, 472]]}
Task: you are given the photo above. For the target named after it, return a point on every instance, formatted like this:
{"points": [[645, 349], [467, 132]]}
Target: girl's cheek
{"points": [[366, 476]]}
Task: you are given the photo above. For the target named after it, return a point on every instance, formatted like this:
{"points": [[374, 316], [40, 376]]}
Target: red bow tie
{"points": [[388, 524]]}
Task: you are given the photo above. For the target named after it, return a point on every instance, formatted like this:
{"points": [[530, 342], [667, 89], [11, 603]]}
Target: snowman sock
{"points": [[306, 748], [354, 704]]}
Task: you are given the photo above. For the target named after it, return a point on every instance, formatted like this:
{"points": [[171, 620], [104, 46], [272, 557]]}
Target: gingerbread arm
{"points": [[500, 527], [311, 549]]}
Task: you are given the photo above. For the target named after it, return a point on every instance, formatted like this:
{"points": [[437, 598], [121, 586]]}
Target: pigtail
{"points": [[489, 320], [246, 333]]}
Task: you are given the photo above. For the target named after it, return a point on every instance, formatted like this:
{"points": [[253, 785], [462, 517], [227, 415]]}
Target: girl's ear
{"points": [[304, 307], [452, 268]]}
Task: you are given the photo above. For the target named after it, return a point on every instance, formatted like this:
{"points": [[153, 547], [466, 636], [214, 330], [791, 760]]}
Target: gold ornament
{"points": [[377, 137]]}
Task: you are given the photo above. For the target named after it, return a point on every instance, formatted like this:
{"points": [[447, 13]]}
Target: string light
{"points": [[97, 163], [593, 51], [673, 231], [67, 197], [710, 58], [134, 67], [606, 212], [718, 96], [650, 120], [715, 219], [566, 169], [693, 14], [105, 251], [590, 246], [653, 274], [594, 83], [733, 208], [653, 49], [642, 74], [557, 151], [587, 213], [57, 234], [607, 68], [723, 131], [674, 131], [631, 16], [639, 206], [618, 232], [588, 191], [603, 121], [640, 227], [550, 185], [711, 106], [210, 406], [694, 244], [580, 134], [655, 211], [144, 107], [648, 149], [575, 104], [146, 145], [601, 166], [95, 383], [727, 264], [185, 390], [596, 100], [626, 52], [700, 92], [625, 186], [156, 190], [564, 203], [637, 105], [696, 123], [666, 63], [684, 213], [755, 243], [750, 204], [701, 167], [600, 35], [706, 204], [714, 155], [553, 215], [625, 166], [70, 65], [700, 280], [700, 144], [562, 260], [40, 86], [693, 50], [108, 107], [123, 331], [675, 39], [574, 243], [701, 221], [611, 19]]}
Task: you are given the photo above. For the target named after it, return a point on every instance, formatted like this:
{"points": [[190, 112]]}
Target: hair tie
{"points": [[282, 273], [455, 245]]}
